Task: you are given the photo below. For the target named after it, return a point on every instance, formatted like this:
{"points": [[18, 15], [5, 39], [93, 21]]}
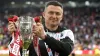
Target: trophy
{"points": [[25, 28]]}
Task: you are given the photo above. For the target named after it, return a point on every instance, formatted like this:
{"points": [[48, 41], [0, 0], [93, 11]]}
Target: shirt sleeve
{"points": [[65, 45]]}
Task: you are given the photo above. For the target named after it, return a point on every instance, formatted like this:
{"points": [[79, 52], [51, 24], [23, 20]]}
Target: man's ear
{"points": [[62, 17], [43, 14]]}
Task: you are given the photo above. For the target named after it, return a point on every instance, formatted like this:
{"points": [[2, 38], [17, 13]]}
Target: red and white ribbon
{"points": [[15, 45]]}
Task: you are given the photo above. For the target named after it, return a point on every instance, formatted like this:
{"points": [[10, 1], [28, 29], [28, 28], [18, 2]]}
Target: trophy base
{"points": [[25, 52]]}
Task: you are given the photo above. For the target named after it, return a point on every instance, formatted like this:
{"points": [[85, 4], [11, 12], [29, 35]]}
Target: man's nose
{"points": [[54, 15]]}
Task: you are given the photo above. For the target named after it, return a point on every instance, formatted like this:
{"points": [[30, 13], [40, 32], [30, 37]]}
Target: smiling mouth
{"points": [[53, 21]]}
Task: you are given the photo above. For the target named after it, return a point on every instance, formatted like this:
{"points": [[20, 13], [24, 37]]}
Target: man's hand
{"points": [[38, 30], [11, 27]]}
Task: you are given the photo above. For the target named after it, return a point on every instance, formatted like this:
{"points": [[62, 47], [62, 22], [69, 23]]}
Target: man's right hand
{"points": [[11, 27]]}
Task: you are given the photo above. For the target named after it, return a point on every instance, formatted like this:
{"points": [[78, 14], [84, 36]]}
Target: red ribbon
{"points": [[37, 19], [17, 42], [13, 18], [36, 39]]}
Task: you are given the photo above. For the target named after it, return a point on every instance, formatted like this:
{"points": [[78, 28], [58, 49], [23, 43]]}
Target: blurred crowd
{"points": [[82, 21]]}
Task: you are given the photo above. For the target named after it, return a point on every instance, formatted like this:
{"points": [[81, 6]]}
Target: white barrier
{"points": [[4, 51]]}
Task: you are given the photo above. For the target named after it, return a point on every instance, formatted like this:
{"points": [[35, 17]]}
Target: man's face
{"points": [[53, 15]]}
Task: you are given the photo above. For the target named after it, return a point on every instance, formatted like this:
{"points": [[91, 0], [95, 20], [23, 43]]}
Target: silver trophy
{"points": [[25, 28]]}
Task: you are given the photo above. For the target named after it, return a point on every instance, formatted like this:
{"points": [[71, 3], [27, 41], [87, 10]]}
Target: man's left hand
{"points": [[38, 30]]}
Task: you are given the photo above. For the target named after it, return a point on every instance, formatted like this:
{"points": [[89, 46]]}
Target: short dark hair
{"points": [[55, 3]]}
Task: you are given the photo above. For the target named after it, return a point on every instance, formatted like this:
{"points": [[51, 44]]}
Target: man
{"points": [[54, 40]]}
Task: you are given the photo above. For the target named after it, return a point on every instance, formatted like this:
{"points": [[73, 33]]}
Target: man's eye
{"points": [[58, 13], [51, 12]]}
